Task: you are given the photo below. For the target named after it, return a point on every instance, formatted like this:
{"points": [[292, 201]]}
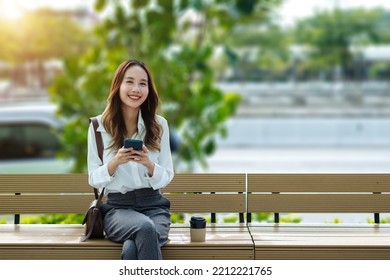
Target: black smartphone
{"points": [[133, 143]]}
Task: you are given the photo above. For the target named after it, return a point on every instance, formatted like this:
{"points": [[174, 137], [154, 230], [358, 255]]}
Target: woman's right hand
{"points": [[122, 156]]}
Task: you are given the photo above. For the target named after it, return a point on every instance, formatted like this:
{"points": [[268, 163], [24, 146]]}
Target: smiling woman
{"points": [[135, 214]]}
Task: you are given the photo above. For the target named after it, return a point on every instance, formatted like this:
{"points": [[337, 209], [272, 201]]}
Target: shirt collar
{"points": [[141, 123]]}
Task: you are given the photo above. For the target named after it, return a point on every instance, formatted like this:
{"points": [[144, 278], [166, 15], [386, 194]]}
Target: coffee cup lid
{"points": [[198, 222]]}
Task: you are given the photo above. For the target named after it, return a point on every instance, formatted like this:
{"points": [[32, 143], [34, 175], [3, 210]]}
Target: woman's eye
{"points": [[144, 84]]}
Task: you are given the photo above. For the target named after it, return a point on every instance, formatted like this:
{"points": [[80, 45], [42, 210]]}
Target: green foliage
{"points": [[177, 218], [179, 50], [331, 37], [379, 70], [262, 47], [230, 219], [269, 218], [53, 219], [290, 218], [334, 221], [385, 220], [262, 217]]}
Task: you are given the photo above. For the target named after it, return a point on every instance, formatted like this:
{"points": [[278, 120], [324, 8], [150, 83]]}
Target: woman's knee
{"points": [[147, 226]]}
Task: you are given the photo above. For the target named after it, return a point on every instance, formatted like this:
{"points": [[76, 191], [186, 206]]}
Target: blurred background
{"points": [[246, 86]]}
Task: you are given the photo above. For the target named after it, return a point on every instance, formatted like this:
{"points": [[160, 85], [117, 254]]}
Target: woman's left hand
{"points": [[142, 157]]}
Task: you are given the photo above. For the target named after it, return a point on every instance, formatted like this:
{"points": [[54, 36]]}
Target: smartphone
{"points": [[133, 143]]}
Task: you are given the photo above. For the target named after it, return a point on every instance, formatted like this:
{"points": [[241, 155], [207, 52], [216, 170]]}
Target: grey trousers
{"points": [[140, 220]]}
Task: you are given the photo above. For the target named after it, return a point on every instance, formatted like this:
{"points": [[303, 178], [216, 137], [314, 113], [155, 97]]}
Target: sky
{"points": [[289, 11]]}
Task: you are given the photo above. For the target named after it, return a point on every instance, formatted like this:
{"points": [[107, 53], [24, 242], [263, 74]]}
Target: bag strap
{"points": [[98, 137], [99, 143]]}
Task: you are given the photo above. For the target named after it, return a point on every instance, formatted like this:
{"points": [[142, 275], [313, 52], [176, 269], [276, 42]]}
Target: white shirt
{"points": [[129, 176]]}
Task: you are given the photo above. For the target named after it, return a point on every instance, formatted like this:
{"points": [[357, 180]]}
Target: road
{"points": [[301, 160]]}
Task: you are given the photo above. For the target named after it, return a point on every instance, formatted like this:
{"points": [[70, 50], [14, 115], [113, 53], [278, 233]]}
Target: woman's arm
{"points": [[163, 169], [98, 174]]}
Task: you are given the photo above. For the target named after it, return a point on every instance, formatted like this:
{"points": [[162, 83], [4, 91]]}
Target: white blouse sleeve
{"points": [[163, 170], [98, 175]]}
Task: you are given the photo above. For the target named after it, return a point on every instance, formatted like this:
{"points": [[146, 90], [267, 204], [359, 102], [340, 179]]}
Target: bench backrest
{"points": [[44, 193], [319, 193], [211, 193], [71, 193], [208, 193]]}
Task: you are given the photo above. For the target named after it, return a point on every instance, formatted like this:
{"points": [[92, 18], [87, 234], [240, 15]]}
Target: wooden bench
{"points": [[319, 193], [70, 193], [210, 193]]}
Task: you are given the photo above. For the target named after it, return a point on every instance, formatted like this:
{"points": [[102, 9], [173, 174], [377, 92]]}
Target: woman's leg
{"points": [[129, 250], [161, 217], [123, 224]]}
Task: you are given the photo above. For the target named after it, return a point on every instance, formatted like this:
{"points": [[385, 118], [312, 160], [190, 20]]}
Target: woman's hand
{"points": [[122, 156], [142, 157], [125, 155]]}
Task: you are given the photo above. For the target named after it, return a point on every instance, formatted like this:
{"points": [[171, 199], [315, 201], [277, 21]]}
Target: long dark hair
{"points": [[112, 117]]}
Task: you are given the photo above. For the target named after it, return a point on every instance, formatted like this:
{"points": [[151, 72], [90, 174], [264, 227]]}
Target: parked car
{"points": [[29, 140]]}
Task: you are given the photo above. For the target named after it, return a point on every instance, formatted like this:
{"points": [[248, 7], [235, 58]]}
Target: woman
{"points": [[135, 214]]}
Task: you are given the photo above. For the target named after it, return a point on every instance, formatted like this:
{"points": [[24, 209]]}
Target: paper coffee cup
{"points": [[198, 229]]}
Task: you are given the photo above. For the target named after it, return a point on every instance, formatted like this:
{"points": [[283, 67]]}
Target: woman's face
{"points": [[134, 88]]}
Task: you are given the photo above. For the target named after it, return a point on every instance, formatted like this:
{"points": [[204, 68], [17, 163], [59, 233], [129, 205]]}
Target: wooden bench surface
{"points": [[63, 242], [320, 241], [70, 193]]}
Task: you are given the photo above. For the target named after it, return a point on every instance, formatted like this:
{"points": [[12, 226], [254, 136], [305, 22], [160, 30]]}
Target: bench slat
{"points": [[318, 182], [324, 203], [63, 242], [207, 203], [44, 183], [321, 253], [207, 182], [55, 235], [45, 204], [68, 183], [321, 241], [98, 253], [320, 229], [51, 204]]}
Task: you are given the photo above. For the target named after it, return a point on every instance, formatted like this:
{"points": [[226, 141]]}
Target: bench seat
{"points": [[45, 241], [321, 241], [222, 242]]}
